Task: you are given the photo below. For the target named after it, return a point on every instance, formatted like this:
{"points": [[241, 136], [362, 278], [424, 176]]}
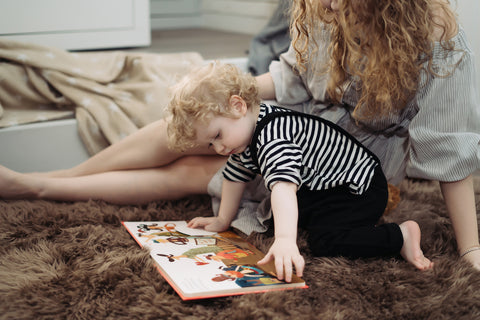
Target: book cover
{"points": [[200, 264]]}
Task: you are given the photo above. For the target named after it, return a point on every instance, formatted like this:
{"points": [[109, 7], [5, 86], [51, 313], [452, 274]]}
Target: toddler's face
{"points": [[226, 135]]}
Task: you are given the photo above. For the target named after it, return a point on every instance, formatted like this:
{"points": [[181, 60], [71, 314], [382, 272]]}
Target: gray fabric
{"points": [[271, 41], [445, 133], [254, 212]]}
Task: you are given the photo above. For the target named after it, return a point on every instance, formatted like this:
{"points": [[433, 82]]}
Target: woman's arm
{"points": [[266, 88], [231, 196], [460, 201], [285, 215]]}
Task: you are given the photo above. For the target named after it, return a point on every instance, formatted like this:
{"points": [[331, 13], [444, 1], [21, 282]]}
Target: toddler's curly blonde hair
{"points": [[203, 94]]}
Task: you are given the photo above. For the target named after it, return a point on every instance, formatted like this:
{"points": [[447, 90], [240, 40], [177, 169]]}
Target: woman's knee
{"points": [[195, 172]]}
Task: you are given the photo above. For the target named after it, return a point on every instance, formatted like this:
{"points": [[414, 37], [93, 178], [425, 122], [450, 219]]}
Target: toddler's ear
{"points": [[238, 105]]}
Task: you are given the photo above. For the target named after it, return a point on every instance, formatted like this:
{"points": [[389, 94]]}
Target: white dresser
{"points": [[77, 24]]}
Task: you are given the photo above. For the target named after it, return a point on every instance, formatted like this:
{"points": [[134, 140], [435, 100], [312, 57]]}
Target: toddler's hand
{"points": [[213, 224], [285, 252]]}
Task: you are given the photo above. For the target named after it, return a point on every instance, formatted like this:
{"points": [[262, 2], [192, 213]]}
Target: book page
{"points": [[204, 263]]}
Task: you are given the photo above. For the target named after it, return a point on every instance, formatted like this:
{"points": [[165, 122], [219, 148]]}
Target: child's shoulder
{"points": [[273, 108], [266, 108]]}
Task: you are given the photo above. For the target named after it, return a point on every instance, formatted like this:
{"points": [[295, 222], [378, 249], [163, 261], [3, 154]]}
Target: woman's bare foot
{"points": [[14, 185], [411, 250]]}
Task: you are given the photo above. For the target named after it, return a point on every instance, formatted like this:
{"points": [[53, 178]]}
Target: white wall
{"points": [[245, 16], [468, 14], [242, 16], [175, 14]]}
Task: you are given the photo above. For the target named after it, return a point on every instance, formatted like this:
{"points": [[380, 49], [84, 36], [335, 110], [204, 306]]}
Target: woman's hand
{"points": [[213, 224], [286, 255]]}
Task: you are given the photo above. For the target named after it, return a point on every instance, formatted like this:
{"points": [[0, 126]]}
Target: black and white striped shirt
{"points": [[304, 149]]}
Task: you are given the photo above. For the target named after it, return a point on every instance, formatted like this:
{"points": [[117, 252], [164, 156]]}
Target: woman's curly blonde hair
{"points": [[383, 43], [202, 94]]}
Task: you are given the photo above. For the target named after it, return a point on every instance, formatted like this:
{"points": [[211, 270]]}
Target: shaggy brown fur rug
{"points": [[76, 261]]}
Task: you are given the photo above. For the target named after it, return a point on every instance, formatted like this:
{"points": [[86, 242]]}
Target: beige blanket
{"points": [[111, 93]]}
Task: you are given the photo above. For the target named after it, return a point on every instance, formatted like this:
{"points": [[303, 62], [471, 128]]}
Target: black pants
{"points": [[340, 223]]}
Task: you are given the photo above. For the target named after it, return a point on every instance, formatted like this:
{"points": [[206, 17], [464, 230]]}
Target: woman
{"points": [[398, 75]]}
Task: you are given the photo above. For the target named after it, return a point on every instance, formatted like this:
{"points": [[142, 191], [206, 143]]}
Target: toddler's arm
{"points": [[284, 249], [231, 196]]}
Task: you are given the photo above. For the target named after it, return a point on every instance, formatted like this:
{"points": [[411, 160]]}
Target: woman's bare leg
{"points": [[146, 148], [188, 175]]}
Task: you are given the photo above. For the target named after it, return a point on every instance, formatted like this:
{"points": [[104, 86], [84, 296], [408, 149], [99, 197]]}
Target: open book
{"points": [[200, 264]]}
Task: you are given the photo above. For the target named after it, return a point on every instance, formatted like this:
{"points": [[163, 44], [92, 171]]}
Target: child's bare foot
{"points": [[14, 185], [411, 246]]}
